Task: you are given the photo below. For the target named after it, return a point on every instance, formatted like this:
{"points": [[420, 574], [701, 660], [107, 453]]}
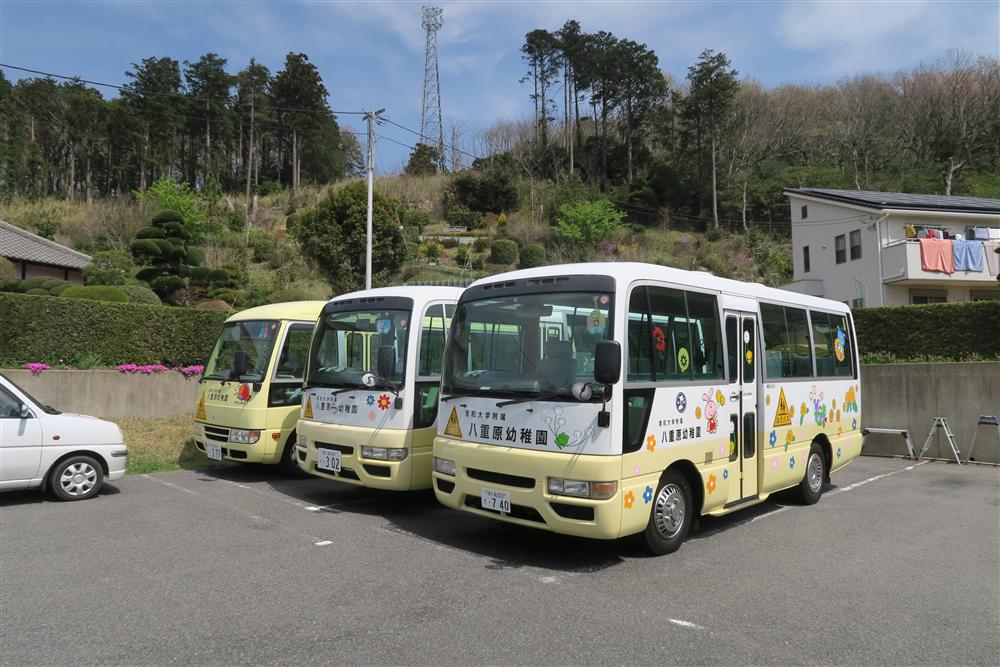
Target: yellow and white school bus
{"points": [[251, 389], [371, 392], [614, 399]]}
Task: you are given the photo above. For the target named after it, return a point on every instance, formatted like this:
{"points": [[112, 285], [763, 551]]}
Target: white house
{"points": [[861, 247]]}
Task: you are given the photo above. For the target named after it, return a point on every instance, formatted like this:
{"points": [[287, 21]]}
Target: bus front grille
{"points": [[216, 433], [501, 478], [346, 450]]}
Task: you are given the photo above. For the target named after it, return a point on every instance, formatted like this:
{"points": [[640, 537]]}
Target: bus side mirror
{"points": [[240, 363], [608, 362], [386, 361]]}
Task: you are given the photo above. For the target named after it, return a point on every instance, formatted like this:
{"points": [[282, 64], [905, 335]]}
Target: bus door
{"points": [[741, 349]]}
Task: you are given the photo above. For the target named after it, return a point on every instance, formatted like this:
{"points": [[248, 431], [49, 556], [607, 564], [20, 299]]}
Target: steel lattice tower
{"points": [[431, 128]]}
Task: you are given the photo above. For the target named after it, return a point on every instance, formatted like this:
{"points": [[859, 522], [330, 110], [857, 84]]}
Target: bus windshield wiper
{"points": [[524, 399]]}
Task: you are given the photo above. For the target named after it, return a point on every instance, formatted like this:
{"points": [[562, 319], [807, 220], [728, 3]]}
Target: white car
{"points": [[71, 455]]}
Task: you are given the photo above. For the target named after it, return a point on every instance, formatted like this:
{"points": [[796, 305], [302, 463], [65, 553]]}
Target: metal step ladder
{"points": [[984, 420], [942, 422]]}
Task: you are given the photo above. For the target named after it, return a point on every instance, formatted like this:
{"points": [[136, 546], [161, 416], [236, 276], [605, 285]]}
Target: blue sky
{"points": [[370, 54]]}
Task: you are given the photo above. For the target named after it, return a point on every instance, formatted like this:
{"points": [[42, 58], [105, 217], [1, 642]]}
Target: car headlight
{"points": [[383, 453], [243, 436], [444, 466], [579, 488]]}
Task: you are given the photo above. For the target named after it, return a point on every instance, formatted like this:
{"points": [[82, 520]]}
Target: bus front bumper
{"points": [[267, 449], [410, 474], [524, 475]]}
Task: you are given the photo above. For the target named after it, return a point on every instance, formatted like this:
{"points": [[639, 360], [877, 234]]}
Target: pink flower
{"points": [[37, 367], [188, 371]]}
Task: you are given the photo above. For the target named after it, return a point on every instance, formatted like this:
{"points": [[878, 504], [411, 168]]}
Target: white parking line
{"points": [[323, 543], [686, 624], [851, 487]]}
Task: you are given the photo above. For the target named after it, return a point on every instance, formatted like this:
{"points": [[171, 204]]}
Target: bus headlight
{"points": [[444, 466], [579, 488], [383, 453], [301, 440], [243, 436]]}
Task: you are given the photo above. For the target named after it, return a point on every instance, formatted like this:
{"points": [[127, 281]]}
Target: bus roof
{"points": [[625, 272], [291, 310], [419, 293]]}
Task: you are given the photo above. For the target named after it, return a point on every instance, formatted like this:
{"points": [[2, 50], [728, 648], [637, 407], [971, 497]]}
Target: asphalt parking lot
{"points": [[897, 564]]}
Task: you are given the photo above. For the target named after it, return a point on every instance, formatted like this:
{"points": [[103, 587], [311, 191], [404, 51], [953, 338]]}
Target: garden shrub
{"points": [[36, 327], [503, 251], [95, 293], [480, 245], [956, 331], [531, 256], [459, 216], [140, 294], [109, 267]]}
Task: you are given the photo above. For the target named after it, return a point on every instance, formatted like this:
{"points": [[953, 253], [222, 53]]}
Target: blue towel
{"points": [[968, 255]]}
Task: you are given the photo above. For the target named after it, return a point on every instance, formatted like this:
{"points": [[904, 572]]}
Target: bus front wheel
{"points": [[811, 487], [289, 465], [670, 518]]}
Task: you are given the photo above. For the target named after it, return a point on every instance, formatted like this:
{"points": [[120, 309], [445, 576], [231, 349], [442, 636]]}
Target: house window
{"points": [[840, 248], [805, 211], [922, 296], [983, 295], [856, 244], [805, 259]]}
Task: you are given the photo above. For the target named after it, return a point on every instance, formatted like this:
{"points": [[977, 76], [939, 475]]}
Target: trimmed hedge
{"points": [[47, 328], [95, 293], [958, 331]]}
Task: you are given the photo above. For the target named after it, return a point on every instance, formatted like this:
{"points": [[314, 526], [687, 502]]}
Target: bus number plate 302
{"points": [[328, 459], [498, 501]]}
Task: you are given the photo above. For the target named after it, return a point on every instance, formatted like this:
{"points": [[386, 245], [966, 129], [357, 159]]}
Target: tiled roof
{"points": [[16, 243], [902, 200]]}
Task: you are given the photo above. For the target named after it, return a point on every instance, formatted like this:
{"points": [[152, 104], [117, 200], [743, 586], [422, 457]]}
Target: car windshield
{"points": [[48, 409], [253, 337], [346, 347], [530, 345]]}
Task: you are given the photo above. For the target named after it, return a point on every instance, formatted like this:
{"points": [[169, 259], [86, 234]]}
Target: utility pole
{"points": [[371, 117]]}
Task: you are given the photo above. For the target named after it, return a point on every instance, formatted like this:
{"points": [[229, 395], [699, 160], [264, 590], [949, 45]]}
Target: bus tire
{"points": [[671, 514], [810, 488], [289, 465]]}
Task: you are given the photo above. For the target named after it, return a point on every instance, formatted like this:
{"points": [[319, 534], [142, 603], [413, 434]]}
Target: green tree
{"points": [[423, 161], [331, 234], [541, 52], [210, 124], [713, 89], [588, 222], [154, 96], [253, 92]]}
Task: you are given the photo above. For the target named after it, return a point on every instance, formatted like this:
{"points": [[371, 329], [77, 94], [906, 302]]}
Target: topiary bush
{"points": [[166, 249], [532, 255], [503, 251], [918, 332], [95, 293], [140, 294], [109, 267]]}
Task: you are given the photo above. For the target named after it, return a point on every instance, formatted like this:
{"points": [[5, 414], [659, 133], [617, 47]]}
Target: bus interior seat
{"points": [[558, 365]]}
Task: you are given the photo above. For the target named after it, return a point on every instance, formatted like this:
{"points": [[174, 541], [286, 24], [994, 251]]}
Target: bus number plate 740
{"points": [[498, 501]]}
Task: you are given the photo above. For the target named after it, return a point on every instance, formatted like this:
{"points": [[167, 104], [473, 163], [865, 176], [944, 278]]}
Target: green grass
{"points": [[162, 445]]}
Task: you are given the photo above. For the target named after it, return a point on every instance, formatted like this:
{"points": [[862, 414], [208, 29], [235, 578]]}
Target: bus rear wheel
{"points": [[811, 487], [670, 518]]}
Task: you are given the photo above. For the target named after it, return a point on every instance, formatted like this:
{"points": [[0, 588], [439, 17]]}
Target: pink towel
{"points": [[937, 255], [992, 258]]}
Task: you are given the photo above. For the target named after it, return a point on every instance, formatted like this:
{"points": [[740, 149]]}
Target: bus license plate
{"points": [[498, 501], [328, 459], [215, 452]]}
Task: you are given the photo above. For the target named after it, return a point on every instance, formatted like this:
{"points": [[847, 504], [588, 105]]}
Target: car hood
{"points": [[81, 430]]}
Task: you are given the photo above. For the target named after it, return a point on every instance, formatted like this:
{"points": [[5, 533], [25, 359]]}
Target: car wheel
{"points": [[76, 478], [811, 487], [289, 464], [670, 518]]}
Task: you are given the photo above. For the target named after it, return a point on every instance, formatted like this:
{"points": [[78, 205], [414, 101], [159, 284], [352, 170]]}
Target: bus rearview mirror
{"points": [[608, 362]]}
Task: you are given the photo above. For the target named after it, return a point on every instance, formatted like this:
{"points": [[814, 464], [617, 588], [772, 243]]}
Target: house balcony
{"points": [[901, 266]]}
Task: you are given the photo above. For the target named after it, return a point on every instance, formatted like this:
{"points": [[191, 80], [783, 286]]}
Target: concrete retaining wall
{"points": [[111, 394], [911, 395]]}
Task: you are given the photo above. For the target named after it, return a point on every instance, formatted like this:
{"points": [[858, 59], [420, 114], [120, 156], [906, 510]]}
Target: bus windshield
{"points": [[531, 345], [255, 337], [346, 346]]}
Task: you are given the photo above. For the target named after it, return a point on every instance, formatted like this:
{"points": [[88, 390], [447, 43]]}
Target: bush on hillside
{"points": [[140, 294], [415, 217], [959, 330], [45, 328], [531, 256], [503, 251], [51, 286], [460, 216], [109, 267], [95, 293], [490, 191], [480, 245], [588, 222]]}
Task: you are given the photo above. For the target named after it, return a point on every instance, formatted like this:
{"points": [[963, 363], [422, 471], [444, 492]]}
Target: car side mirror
{"points": [[386, 361], [608, 362], [240, 363], [25, 411]]}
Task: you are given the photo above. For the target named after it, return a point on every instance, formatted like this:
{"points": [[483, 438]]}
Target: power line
{"points": [[172, 95]]}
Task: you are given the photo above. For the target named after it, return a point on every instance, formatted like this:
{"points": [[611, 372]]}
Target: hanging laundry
{"points": [[994, 233], [968, 255], [992, 257], [982, 233], [937, 255]]}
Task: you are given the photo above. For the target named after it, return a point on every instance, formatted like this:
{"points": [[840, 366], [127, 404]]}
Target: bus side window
{"points": [[295, 351], [671, 336], [705, 350], [639, 338], [732, 349], [430, 354]]}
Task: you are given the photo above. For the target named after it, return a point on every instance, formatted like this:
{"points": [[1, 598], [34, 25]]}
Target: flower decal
{"points": [[854, 424], [774, 464], [767, 400], [647, 495], [370, 400], [629, 500], [789, 438], [838, 452], [243, 393], [697, 413], [749, 356], [659, 339], [791, 462], [725, 474], [773, 438], [383, 402], [681, 402], [371, 416], [722, 450], [562, 440], [650, 442], [637, 470], [711, 484]]}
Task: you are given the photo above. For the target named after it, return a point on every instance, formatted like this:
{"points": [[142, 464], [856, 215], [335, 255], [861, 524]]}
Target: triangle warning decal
{"points": [[782, 417], [200, 414], [308, 412], [453, 428]]}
